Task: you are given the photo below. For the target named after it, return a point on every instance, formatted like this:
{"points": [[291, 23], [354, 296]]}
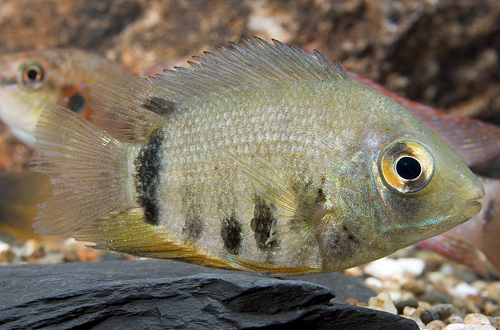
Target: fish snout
{"points": [[468, 204]]}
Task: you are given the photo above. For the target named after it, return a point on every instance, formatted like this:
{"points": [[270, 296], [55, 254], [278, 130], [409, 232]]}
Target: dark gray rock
{"points": [[343, 286], [158, 294]]}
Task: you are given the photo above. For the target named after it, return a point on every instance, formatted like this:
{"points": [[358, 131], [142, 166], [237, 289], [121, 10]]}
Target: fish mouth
{"points": [[469, 206]]}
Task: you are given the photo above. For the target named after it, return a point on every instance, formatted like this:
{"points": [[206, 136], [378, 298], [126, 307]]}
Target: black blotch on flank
{"points": [[147, 180], [193, 226], [320, 196], [159, 106], [231, 234], [261, 224]]}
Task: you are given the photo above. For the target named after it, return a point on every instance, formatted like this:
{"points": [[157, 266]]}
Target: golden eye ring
{"points": [[31, 75], [406, 166]]}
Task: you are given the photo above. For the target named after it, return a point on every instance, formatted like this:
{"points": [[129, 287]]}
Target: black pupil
{"points": [[408, 168], [76, 102], [32, 74]]}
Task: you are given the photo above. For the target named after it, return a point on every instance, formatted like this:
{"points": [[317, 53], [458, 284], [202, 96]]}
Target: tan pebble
{"points": [[475, 318], [471, 307], [455, 319], [354, 271], [416, 287], [490, 308], [424, 305], [493, 290], [7, 256], [435, 325], [479, 284], [351, 301]]}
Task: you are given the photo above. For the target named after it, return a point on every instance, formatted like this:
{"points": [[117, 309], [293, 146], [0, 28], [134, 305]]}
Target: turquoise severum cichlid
{"points": [[261, 158]]}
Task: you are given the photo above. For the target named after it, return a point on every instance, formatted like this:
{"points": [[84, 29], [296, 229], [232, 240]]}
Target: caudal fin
{"points": [[87, 168]]}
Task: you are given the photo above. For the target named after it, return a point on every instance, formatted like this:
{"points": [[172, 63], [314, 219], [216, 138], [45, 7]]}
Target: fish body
{"points": [[260, 159], [30, 80], [475, 242]]}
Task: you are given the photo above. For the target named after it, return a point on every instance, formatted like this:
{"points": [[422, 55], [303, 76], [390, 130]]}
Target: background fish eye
{"points": [[406, 166], [76, 102], [31, 75]]}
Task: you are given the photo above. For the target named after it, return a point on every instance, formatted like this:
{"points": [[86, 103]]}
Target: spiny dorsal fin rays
{"points": [[282, 56], [246, 64]]}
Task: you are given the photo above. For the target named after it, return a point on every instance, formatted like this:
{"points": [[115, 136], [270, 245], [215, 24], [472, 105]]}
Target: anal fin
{"points": [[247, 265], [126, 231]]}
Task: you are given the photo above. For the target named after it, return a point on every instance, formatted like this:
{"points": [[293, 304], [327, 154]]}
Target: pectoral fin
{"points": [[297, 213]]}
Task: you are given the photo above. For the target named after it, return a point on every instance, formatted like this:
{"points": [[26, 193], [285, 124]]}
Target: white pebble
{"points": [[396, 295], [447, 269], [383, 300], [412, 266], [455, 326], [4, 246], [463, 290], [479, 327], [383, 268], [374, 283]]}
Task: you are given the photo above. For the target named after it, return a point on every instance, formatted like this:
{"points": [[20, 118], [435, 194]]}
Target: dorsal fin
{"points": [[258, 62], [134, 107]]}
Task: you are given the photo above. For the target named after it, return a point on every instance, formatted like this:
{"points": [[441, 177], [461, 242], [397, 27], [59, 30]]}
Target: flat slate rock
{"points": [[162, 294]]}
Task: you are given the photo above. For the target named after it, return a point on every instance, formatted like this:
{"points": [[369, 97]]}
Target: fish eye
{"points": [[31, 75], [406, 166], [76, 102]]}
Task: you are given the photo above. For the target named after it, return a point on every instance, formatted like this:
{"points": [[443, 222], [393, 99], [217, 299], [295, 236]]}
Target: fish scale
{"points": [[205, 148], [178, 161]]}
